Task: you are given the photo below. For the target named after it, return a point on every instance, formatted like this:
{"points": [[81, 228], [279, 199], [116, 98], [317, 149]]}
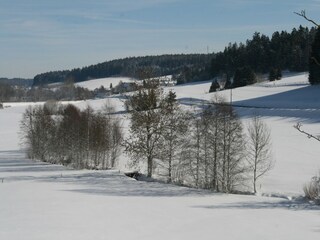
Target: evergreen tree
{"points": [[229, 83], [278, 74], [272, 74], [314, 62], [275, 74], [244, 76], [214, 86]]}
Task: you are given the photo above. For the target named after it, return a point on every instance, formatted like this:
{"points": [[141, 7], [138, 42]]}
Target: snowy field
{"points": [[105, 82], [41, 201]]}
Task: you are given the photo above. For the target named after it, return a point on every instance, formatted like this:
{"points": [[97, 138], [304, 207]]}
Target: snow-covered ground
{"points": [[105, 82], [42, 201]]}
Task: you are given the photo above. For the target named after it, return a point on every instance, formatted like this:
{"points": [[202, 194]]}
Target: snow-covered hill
{"points": [[42, 201]]}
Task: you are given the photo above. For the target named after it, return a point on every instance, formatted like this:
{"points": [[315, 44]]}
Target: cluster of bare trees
{"points": [[205, 149], [66, 91], [67, 135], [215, 150]]}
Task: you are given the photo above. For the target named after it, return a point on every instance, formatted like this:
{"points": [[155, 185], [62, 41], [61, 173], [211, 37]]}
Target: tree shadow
{"points": [[301, 104], [294, 205], [113, 183], [291, 115], [193, 83], [193, 102], [15, 161], [15, 167]]}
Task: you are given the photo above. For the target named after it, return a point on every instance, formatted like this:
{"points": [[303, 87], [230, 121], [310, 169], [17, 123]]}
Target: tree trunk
{"points": [[149, 166], [255, 176]]}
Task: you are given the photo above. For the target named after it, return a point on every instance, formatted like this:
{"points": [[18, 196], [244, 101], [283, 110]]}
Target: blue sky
{"points": [[45, 35]]}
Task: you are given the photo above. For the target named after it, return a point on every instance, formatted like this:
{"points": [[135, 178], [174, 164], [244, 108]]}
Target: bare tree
{"points": [[197, 149], [175, 127], [193, 152], [201, 148], [309, 135], [108, 108], [304, 15], [259, 149], [233, 147], [27, 131], [146, 109], [116, 134], [116, 139], [216, 148]]}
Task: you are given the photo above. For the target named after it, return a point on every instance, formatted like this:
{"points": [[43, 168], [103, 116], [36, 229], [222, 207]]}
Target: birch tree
{"points": [[259, 149], [175, 127]]}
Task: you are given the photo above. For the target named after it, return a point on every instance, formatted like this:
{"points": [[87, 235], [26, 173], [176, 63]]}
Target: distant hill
{"points": [[283, 50], [17, 82], [189, 67]]}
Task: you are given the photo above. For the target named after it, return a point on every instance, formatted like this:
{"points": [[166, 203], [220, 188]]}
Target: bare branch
{"points": [[309, 135], [303, 14]]}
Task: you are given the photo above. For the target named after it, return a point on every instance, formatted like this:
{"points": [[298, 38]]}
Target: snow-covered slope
{"points": [[97, 83], [42, 201]]}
